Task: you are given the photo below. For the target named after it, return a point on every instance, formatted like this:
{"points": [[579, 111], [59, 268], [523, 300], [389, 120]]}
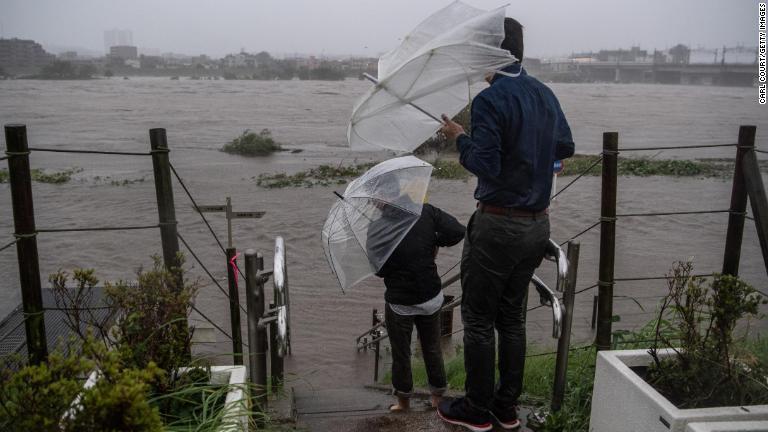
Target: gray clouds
{"points": [[367, 27]]}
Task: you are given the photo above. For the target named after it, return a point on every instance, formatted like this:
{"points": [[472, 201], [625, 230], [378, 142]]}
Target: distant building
{"points": [[117, 37], [124, 52], [22, 53], [68, 56]]}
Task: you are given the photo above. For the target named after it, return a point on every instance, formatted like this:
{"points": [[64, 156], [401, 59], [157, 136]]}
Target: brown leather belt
{"points": [[509, 211]]}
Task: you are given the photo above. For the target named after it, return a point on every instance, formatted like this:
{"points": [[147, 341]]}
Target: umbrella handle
{"points": [[338, 195], [423, 111]]}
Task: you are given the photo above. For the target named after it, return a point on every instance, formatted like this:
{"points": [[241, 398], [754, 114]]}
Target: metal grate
{"points": [[58, 334]]}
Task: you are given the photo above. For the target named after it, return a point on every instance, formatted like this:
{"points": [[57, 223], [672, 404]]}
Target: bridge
{"points": [[723, 74]]}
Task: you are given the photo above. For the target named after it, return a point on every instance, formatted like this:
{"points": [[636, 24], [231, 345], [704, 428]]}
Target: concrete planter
{"points": [[236, 404], [623, 401]]}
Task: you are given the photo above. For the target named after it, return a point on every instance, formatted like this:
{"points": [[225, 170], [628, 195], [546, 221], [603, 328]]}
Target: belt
{"points": [[509, 211]]}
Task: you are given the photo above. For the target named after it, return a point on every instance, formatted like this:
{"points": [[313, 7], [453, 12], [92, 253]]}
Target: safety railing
{"points": [[18, 157]]}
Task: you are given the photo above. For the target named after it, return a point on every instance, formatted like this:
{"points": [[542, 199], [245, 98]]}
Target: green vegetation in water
{"points": [[328, 175], [324, 175], [41, 176], [646, 166], [253, 144]]}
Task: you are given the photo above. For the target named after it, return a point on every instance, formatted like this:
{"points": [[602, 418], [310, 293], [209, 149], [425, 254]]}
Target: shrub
{"points": [[253, 144], [708, 368], [36, 397], [152, 326]]}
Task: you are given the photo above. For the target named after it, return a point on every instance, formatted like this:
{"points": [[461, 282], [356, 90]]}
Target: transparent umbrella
{"points": [[377, 210], [430, 73]]}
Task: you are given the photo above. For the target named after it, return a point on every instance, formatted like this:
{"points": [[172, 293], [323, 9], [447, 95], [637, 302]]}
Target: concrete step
{"points": [[358, 409]]}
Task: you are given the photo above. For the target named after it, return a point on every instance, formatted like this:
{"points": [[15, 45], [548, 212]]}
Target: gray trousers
{"points": [[499, 257]]}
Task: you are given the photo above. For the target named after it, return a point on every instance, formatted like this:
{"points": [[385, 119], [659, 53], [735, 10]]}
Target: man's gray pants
{"points": [[499, 257]]}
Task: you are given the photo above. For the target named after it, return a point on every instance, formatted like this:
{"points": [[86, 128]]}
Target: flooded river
{"points": [[200, 116]]}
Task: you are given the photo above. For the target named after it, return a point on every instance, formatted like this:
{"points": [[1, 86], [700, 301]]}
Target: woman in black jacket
{"points": [[414, 297]]}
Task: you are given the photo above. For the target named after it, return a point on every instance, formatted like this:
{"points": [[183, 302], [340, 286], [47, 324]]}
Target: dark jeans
{"points": [[400, 328], [499, 257]]}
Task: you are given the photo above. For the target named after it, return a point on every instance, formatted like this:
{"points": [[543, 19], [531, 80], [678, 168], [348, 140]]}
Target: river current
{"points": [[200, 116]]}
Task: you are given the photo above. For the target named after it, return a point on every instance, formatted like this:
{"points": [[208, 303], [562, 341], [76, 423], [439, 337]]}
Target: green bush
{"points": [[253, 144], [710, 366], [36, 397]]}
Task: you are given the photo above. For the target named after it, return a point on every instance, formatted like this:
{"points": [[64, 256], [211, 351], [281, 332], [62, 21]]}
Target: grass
{"points": [[40, 176], [537, 384], [253, 144]]}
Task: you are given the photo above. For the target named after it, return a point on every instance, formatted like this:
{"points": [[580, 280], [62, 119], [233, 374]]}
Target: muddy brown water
{"points": [[201, 116]]}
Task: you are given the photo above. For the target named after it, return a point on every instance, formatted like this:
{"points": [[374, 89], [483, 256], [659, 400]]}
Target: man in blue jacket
{"points": [[518, 131]]}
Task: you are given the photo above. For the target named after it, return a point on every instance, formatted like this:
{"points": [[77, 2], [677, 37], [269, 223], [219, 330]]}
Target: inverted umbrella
{"points": [[430, 73], [377, 210]]}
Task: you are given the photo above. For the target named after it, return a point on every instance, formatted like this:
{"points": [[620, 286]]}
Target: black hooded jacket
{"points": [[410, 273]]}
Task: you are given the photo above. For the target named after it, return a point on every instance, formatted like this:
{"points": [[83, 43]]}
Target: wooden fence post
{"points": [[607, 240], [234, 307], [738, 203]]}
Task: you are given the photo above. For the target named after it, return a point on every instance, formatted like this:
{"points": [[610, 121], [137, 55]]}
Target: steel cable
{"points": [[676, 147], [577, 178], [90, 152], [209, 273], [197, 208], [8, 245]]}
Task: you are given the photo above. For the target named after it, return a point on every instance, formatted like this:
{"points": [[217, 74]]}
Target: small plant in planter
{"points": [[707, 368]]}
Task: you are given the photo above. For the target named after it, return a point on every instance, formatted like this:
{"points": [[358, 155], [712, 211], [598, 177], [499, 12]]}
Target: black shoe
{"points": [[458, 412], [505, 417]]}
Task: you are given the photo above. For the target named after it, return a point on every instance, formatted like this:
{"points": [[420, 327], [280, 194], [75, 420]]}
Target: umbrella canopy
{"points": [[377, 210], [429, 74]]}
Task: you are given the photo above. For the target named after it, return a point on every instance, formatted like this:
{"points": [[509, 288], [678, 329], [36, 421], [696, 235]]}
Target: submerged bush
{"points": [[253, 144]]}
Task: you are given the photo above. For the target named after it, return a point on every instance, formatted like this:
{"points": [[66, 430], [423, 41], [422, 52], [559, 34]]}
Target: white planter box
{"points": [[236, 404], [622, 401]]}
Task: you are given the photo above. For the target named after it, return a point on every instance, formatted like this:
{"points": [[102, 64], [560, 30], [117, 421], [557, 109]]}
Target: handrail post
{"points": [[607, 240], [234, 307], [563, 344], [26, 247], [275, 361], [257, 335], [738, 208]]}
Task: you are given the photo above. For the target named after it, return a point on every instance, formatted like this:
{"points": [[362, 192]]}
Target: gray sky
{"points": [[368, 27]]}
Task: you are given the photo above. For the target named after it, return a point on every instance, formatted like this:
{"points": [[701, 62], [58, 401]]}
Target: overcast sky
{"points": [[368, 27]]}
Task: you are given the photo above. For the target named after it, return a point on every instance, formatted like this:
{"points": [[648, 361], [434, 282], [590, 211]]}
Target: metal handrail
{"points": [[547, 297], [448, 282], [282, 298], [555, 253]]}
